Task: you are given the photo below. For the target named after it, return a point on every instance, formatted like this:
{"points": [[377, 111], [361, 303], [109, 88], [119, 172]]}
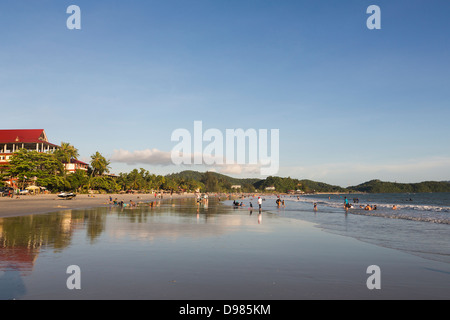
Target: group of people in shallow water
{"points": [[121, 203], [241, 204], [366, 207], [132, 204], [280, 203]]}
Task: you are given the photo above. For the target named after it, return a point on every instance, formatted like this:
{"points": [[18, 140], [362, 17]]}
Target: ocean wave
{"points": [[414, 212], [405, 216]]}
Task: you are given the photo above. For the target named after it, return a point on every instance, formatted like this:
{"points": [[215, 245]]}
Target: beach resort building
{"points": [[75, 165], [31, 140]]}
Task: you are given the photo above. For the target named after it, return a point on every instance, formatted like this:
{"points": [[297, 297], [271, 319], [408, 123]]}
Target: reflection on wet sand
{"points": [[21, 241], [23, 238], [163, 221], [55, 229]]}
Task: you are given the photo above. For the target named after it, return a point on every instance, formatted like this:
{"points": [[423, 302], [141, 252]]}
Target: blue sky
{"points": [[351, 104]]}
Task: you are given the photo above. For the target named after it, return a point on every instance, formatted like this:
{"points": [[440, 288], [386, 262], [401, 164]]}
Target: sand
{"points": [[43, 203]]}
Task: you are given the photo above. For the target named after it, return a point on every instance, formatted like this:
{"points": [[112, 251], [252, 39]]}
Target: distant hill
{"points": [[310, 186], [199, 176], [214, 181], [223, 182], [377, 186]]}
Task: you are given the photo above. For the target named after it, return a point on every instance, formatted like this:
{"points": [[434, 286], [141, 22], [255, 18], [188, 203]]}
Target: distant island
{"points": [[377, 186]]}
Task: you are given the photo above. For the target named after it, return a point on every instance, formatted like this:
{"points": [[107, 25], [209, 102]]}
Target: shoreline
{"points": [[46, 203]]}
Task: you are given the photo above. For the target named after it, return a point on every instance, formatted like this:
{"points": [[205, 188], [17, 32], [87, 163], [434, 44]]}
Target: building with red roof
{"points": [[75, 165], [30, 139]]}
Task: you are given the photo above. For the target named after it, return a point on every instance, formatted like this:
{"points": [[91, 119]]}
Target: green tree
{"points": [[66, 152], [99, 164], [170, 184], [157, 181], [211, 182], [105, 183], [78, 180], [26, 165], [135, 180]]}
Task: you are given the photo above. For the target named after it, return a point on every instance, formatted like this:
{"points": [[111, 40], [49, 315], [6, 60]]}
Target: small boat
{"points": [[67, 195]]}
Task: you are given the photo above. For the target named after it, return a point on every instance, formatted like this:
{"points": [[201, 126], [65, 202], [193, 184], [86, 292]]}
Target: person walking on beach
{"points": [[259, 202]]}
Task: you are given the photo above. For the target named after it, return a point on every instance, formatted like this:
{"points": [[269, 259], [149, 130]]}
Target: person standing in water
{"points": [[346, 204]]}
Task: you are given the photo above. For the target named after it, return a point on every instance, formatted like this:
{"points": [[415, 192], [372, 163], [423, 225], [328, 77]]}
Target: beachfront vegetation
{"points": [[28, 165], [145, 181], [47, 170]]}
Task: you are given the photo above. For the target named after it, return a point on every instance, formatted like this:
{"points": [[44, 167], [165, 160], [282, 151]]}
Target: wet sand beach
{"points": [[42, 203], [181, 250]]}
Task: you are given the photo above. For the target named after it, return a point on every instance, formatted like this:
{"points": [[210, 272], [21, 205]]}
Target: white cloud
{"points": [[163, 158], [147, 156]]}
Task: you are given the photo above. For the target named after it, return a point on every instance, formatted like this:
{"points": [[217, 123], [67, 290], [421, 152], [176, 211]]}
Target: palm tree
{"points": [[66, 152], [99, 164]]}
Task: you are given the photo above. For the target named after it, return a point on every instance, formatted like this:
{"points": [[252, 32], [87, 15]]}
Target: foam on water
{"points": [[405, 209]]}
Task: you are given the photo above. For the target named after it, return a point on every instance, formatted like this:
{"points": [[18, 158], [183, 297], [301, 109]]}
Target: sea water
{"points": [[420, 225]]}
